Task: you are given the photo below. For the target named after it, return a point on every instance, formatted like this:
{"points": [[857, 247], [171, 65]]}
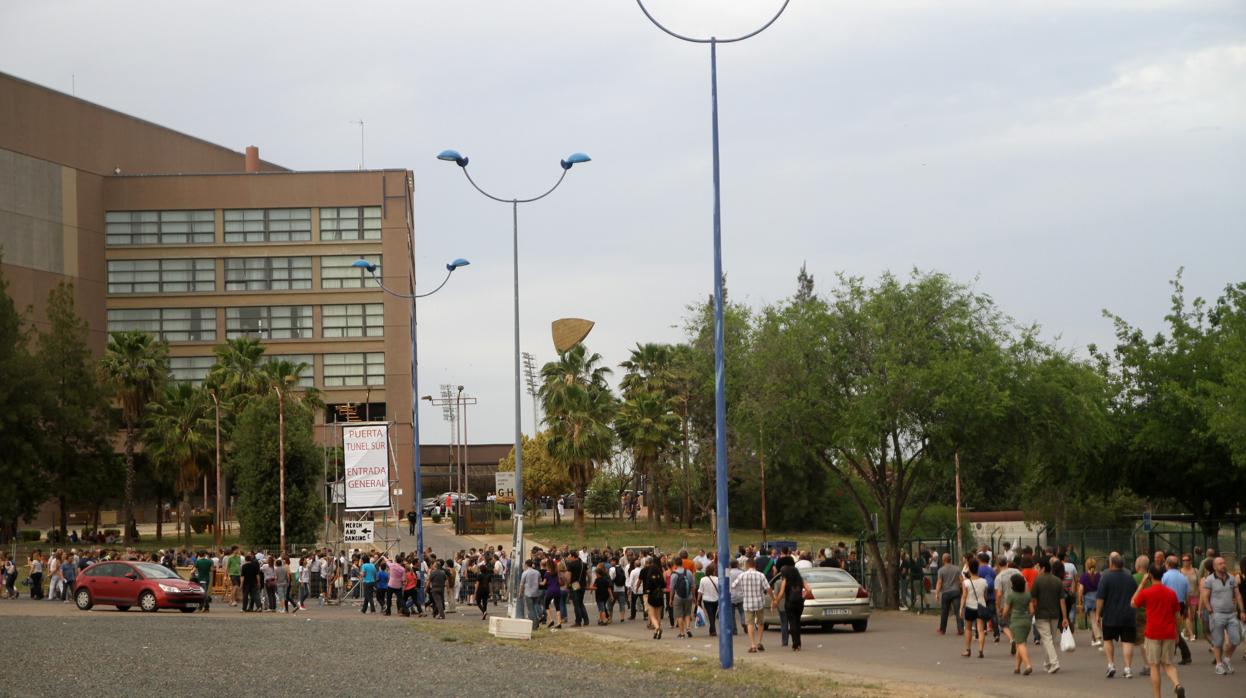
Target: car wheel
{"points": [[83, 599], [147, 601], [123, 608], [859, 626], [187, 609], [827, 627]]}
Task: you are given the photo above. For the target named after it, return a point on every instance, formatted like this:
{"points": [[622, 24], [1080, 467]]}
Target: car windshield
{"points": [[827, 576], [154, 571]]}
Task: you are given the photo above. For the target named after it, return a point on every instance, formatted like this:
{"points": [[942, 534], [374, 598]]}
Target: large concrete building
{"points": [[197, 244]]}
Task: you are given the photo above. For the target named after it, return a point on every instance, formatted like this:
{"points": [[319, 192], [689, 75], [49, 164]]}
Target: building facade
{"points": [[197, 244]]}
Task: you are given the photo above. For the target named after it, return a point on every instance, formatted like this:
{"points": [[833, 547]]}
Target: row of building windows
{"points": [[357, 369], [260, 322], [241, 225], [127, 276]]}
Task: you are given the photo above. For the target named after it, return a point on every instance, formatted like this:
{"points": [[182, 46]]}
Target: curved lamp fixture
{"points": [[460, 262], [452, 156], [364, 264], [574, 159]]}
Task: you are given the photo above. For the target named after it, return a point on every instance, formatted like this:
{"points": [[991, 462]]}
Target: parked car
{"points": [[838, 598], [147, 585], [777, 545], [428, 504]]}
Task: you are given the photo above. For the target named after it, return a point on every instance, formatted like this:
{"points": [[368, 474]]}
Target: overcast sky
{"points": [[1068, 155]]}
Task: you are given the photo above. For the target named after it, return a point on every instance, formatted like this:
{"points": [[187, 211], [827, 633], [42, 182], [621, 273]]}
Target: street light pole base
{"points": [[510, 628]]}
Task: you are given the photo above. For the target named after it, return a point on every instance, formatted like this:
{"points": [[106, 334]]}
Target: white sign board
{"points": [[365, 450], [357, 531], [504, 486]]}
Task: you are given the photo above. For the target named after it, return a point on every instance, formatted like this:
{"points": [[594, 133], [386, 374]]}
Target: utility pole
{"points": [[529, 370]]}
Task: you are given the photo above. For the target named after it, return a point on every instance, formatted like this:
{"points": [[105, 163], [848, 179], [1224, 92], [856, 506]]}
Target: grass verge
{"points": [[614, 533], [749, 674]]}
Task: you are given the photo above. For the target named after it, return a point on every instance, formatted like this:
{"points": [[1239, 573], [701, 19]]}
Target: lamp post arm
{"points": [[511, 201], [695, 40], [408, 296]]}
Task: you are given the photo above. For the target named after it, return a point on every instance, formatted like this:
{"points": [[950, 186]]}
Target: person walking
{"points": [[484, 584], [1192, 602], [437, 580], [948, 591], [397, 579], [973, 608], [707, 596], [531, 593], [412, 517], [1050, 610], [1087, 595], [603, 593], [1221, 596], [1018, 608], [1115, 614], [791, 594], [554, 595], [368, 572], [36, 576], [1173, 579], [251, 575], [682, 589], [1163, 616], [753, 589], [269, 574], [203, 575]]}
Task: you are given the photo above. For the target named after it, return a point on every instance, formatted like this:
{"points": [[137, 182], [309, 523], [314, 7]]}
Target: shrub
{"points": [[31, 536], [436, 517], [199, 521]]}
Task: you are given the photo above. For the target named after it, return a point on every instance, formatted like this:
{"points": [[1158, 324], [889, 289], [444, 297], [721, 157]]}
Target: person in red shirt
{"points": [[1163, 615]]}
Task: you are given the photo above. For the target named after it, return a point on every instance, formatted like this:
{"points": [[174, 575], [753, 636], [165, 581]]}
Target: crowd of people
{"points": [[1167, 603]]}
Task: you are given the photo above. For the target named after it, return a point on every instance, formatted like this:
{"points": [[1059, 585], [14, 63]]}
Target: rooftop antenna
{"points": [[360, 122]]}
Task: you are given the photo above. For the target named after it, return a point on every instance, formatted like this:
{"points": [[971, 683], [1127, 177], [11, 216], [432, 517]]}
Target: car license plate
{"points": [[836, 611]]}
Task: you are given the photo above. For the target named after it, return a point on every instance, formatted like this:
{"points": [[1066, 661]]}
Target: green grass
{"points": [[615, 534], [749, 674]]}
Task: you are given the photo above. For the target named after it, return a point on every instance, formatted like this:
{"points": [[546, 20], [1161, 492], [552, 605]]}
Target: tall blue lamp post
{"points": [[725, 623], [517, 551], [415, 384]]}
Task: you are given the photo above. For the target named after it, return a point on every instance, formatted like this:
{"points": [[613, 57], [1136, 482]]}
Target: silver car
{"points": [[838, 598]]}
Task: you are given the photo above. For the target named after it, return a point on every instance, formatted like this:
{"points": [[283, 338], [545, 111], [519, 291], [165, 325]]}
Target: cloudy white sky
{"points": [[1069, 155]]}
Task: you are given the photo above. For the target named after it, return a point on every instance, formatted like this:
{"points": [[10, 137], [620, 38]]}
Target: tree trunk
{"points": [[159, 510], [186, 515], [580, 487], [64, 516], [128, 507]]}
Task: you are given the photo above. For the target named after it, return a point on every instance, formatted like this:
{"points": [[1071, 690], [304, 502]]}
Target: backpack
{"points": [[680, 584], [619, 578]]}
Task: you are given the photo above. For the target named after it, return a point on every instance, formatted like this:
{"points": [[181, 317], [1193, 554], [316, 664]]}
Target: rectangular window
{"points": [[353, 320], [269, 322], [267, 225], [341, 370], [161, 275], [190, 369], [267, 273], [308, 376], [337, 272], [169, 324], [160, 227], [350, 223]]}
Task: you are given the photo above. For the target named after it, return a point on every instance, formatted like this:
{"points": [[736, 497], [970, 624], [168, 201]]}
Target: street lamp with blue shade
{"points": [[575, 159], [364, 264], [452, 156], [460, 262]]}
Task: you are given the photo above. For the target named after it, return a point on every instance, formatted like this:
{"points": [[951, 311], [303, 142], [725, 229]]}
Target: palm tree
{"points": [[285, 375], [648, 426], [136, 365], [180, 432], [648, 368], [578, 408], [239, 369]]}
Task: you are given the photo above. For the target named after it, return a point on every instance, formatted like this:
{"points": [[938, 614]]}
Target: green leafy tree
{"points": [[136, 365], [649, 428], [256, 469], [1169, 448], [21, 438], [76, 415], [603, 499], [579, 408], [179, 436], [542, 475], [1224, 400]]}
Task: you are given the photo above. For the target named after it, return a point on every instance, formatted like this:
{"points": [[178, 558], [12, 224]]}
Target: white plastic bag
{"points": [[700, 617], [1067, 643]]}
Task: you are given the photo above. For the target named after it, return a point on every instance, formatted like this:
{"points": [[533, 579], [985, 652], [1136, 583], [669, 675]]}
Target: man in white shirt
{"points": [[634, 591]]}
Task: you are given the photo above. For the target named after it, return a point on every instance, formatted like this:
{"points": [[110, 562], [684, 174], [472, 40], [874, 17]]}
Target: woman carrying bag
{"points": [[973, 608], [791, 594]]}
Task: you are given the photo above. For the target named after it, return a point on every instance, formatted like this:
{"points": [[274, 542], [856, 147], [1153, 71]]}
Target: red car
{"points": [[147, 585]]}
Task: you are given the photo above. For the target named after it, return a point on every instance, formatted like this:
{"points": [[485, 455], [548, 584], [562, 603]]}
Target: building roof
{"points": [[434, 455]]}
